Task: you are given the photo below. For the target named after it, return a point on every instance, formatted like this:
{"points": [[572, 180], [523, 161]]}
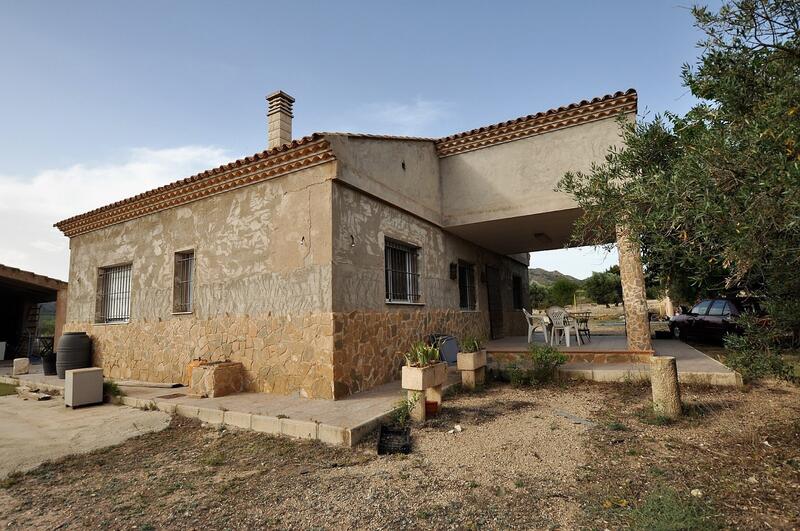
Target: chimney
{"points": [[279, 119]]}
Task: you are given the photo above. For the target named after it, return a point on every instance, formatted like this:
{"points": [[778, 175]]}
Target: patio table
{"points": [[582, 320]]}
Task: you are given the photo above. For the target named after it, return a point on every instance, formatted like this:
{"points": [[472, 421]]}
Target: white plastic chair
{"points": [[561, 323], [537, 321]]}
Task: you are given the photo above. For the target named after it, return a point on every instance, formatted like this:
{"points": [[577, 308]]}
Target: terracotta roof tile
{"points": [[541, 122]]}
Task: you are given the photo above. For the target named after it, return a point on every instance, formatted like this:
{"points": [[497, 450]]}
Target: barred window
{"points": [[114, 294], [402, 272], [466, 285], [516, 286], [184, 280]]}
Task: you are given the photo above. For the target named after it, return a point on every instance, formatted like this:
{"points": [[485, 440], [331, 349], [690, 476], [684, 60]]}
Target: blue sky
{"points": [[102, 100]]}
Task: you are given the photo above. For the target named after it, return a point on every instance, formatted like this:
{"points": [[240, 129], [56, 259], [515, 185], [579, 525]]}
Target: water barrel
{"points": [[74, 352]]}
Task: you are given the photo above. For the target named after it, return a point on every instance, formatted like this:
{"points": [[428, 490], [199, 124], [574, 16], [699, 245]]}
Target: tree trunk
{"points": [[664, 380]]}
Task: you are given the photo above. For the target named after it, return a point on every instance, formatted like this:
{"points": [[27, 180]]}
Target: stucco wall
{"points": [[518, 178], [370, 335], [401, 172], [262, 289]]}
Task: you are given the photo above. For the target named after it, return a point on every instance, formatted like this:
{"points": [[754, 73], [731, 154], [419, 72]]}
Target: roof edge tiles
{"points": [[299, 154], [314, 149], [534, 124]]}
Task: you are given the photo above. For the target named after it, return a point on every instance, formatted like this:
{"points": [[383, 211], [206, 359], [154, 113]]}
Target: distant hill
{"points": [[547, 278]]}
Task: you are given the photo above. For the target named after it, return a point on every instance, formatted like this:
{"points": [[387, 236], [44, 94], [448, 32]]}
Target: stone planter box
{"points": [[471, 361], [421, 378], [216, 379]]}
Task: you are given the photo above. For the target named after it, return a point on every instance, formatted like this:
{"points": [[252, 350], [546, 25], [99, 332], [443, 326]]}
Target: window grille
{"points": [[466, 285], [114, 295], [402, 272], [517, 291], [184, 278]]}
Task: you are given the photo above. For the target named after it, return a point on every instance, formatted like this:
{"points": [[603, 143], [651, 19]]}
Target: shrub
{"points": [[111, 389], [402, 411], [545, 360], [756, 353], [518, 377]]}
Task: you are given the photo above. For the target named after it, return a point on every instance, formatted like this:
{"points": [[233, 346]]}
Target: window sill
{"points": [[464, 310], [183, 313], [404, 303], [112, 324]]}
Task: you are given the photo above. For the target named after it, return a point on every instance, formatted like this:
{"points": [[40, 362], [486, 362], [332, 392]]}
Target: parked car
{"points": [[709, 319]]}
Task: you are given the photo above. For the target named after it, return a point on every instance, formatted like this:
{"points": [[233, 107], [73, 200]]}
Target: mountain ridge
{"points": [[546, 278]]}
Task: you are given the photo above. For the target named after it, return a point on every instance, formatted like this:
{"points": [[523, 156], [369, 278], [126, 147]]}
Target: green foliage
{"points": [[421, 355], [755, 354], [112, 389], [545, 360], [666, 510], [518, 377], [713, 196], [562, 291], [470, 344], [604, 288], [539, 296], [401, 415]]}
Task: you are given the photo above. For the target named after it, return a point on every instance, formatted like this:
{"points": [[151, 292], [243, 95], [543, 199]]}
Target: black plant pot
{"points": [[49, 364], [394, 440]]}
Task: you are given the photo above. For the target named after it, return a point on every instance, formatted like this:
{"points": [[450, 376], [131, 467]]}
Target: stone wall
{"points": [[261, 293], [371, 335], [280, 354], [369, 346]]}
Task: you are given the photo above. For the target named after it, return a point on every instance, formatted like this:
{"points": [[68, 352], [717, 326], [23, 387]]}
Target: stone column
{"points": [[633, 292]]}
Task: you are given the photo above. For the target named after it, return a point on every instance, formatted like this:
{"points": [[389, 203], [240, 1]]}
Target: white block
{"points": [[83, 387], [21, 366]]}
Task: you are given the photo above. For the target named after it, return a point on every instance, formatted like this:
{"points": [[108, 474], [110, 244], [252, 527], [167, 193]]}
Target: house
{"points": [[318, 262]]}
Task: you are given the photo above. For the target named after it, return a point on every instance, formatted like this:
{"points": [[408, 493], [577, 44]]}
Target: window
{"points": [[700, 309], [114, 294], [466, 285], [718, 308], [516, 285], [184, 279], [402, 272]]}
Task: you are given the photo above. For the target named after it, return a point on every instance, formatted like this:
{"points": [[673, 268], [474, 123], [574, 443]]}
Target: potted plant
{"points": [[423, 368], [472, 355]]}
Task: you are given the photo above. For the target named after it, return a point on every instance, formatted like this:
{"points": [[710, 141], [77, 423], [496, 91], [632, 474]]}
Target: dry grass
{"points": [[522, 461]]}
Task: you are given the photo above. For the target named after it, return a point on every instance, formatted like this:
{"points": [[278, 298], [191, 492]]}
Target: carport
{"points": [[21, 294]]}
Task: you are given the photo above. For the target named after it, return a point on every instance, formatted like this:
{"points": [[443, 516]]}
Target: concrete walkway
{"points": [[32, 432]]}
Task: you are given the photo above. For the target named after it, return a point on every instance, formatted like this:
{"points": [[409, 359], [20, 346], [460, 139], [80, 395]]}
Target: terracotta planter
{"points": [[471, 361], [421, 378]]}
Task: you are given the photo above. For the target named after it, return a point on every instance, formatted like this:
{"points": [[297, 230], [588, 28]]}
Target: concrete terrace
{"points": [[606, 359], [345, 422]]}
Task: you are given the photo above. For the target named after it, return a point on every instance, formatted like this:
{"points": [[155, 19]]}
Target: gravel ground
{"points": [[526, 459]]}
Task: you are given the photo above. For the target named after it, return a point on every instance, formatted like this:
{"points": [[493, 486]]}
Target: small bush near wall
{"points": [[537, 367], [545, 360]]}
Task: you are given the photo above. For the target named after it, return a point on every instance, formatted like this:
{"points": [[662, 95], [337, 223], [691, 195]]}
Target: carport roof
{"points": [[28, 279]]}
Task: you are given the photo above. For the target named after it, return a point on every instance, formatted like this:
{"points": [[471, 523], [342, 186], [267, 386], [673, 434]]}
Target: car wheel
{"points": [[676, 332]]}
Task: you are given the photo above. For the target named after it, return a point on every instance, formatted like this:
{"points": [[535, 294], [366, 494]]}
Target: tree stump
{"points": [[664, 380]]}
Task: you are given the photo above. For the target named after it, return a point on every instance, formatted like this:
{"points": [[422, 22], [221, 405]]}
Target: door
{"points": [[714, 322], [495, 302], [696, 318]]}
